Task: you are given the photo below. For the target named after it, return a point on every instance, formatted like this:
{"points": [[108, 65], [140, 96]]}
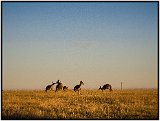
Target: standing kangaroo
{"points": [[50, 87], [106, 86], [78, 87], [59, 86]]}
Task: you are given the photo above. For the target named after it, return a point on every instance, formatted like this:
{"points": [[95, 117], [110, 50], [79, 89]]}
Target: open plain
{"points": [[89, 104]]}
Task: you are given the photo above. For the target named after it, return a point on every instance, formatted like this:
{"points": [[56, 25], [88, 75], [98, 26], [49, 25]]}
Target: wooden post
{"points": [[121, 85]]}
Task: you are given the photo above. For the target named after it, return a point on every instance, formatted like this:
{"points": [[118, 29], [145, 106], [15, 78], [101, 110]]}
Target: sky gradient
{"points": [[97, 42]]}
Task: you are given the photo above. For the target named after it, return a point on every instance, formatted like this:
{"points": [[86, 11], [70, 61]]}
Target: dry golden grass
{"points": [[89, 104]]}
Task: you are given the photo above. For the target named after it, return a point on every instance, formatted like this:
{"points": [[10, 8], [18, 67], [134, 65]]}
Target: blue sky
{"points": [[98, 42]]}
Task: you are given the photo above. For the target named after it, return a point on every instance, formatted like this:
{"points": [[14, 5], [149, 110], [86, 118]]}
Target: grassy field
{"points": [[89, 104]]}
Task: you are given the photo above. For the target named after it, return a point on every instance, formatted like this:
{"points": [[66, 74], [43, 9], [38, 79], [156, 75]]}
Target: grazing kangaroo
{"points": [[78, 87], [65, 88], [50, 87], [59, 86], [106, 86]]}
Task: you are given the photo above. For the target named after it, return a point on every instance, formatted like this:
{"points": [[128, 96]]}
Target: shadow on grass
{"points": [[26, 117]]}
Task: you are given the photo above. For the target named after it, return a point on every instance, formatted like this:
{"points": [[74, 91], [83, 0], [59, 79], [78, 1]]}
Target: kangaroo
{"points": [[59, 86], [50, 87], [78, 87], [106, 86], [65, 88]]}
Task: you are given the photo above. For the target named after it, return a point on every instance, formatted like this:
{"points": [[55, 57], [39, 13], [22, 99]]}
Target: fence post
{"points": [[121, 85]]}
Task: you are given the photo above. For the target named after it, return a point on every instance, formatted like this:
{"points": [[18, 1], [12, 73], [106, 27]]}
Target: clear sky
{"points": [[97, 42]]}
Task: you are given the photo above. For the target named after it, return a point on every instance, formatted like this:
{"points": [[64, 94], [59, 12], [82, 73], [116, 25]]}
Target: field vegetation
{"points": [[89, 104]]}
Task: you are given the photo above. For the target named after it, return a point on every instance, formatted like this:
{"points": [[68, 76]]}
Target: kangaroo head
{"points": [[58, 82], [53, 83], [110, 89], [100, 87], [81, 83]]}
